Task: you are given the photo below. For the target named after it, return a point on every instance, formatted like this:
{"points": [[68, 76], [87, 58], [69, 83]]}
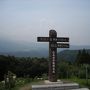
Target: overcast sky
{"points": [[25, 20]]}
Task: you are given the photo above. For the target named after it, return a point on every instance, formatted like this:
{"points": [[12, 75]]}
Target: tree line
{"points": [[23, 67], [37, 67], [83, 57]]}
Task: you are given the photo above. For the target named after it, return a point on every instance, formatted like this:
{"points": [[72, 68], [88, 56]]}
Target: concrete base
{"points": [[48, 82], [81, 89], [55, 86]]}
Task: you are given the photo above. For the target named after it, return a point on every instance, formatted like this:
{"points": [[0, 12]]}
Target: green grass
{"points": [[20, 82], [1, 86], [81, 82]]}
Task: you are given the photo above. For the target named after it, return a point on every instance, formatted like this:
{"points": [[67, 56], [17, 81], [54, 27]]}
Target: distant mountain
{"points": [[25, 49], [39, 53], [77, 47], [13, 46], [69, 55]]}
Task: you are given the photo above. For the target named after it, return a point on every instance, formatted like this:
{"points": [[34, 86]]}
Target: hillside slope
{"points": [[69, 55]]}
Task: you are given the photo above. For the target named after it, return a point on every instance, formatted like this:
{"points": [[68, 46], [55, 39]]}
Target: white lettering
{"points": [[53, 61]]}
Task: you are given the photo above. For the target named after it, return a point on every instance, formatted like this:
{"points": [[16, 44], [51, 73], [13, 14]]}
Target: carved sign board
{"points": [[59, 39], [43, 39], [53, 45], [52, 39], [60, 45]]}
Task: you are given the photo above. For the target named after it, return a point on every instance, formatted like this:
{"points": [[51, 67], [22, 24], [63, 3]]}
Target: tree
{"points": [[23, 67], [83, 57]]}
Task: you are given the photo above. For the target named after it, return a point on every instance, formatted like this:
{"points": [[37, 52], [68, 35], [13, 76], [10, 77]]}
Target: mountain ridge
{"points": [[32, 49]]}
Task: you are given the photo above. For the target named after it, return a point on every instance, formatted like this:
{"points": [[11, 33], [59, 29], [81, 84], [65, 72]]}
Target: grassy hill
{"points": [[69, 55]]}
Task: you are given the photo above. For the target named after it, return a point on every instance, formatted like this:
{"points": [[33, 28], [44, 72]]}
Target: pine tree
{"points": [[83, 57], [78, 57]]}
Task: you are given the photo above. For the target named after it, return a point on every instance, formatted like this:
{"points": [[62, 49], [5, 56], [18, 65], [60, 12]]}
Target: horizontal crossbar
{"points": [[59, 45], [53, 39]]}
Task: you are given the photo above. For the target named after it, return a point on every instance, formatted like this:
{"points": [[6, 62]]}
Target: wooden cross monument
{"points": [[53, 45]]}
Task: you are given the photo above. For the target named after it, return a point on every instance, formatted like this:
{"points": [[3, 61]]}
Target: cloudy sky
{"points": [[24, 20]]}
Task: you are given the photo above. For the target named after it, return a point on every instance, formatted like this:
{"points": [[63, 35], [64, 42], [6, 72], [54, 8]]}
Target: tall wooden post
{"points": [[52, 57], [53, 45]]}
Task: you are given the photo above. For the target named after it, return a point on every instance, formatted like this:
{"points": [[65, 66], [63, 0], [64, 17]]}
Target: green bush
{"points": [[2, 86]]}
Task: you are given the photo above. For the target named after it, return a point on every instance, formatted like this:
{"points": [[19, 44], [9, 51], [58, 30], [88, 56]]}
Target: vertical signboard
{"points": [[52, 56]]}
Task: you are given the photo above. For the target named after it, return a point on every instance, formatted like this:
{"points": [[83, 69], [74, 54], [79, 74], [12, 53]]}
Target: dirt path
{"points": [[26, 87]]}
